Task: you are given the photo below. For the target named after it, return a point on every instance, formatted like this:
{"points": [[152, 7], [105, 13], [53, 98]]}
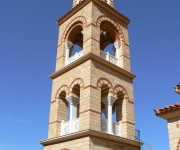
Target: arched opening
{"points": [[118, 115], [114, 117], [108, 35], [108, 43], [76, 35], [104, 93], [74, 43], [110, 49], [63, 107], [117, 111], [104, 115], [75, 49], [76, 93], [72, 124]]}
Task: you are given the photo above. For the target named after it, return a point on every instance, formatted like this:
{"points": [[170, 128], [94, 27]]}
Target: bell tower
{"points": [[92, 102]]}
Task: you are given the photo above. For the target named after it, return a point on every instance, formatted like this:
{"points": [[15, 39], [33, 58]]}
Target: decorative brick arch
{"points": [[79, 19], [119, 88], [76, 81], [178, 145], [62, 88], [116, 26], [105, 81]]}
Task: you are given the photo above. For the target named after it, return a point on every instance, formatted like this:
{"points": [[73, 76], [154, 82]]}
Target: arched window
{"points": [[63, 106], [75, 49], [110, 49], [108, 43], [104, 93], [119, 107], [74, 43], [104, 114], [111, 111], [76, 93], [72, 123]]}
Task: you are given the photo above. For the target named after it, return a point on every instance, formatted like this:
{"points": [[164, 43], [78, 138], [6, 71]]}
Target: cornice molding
{"points": [[170, 114], [168, 111], [91, 133], [91, 56]]}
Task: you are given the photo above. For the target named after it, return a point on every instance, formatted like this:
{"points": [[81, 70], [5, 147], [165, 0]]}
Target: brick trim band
{"points": [[53, 101], [91, 39], [60, 57], [127, 44], [124, 56], [89, 110], [55, 122], [59, 45], [90, 86], [128, 122], [131, 102], [91, 24]]}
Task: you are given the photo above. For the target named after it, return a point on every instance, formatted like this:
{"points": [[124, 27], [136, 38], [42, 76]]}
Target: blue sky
{"points": [[28, 40]]}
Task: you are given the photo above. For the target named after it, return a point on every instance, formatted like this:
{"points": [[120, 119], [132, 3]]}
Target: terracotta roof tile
{"points": [[82, 2], [167, 108]]}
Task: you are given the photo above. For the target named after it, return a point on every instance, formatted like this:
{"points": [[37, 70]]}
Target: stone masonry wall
{"points": [[88, 75], [100, 71], [78, 144], [101, 144], [174, 132], [91, 16], [90, 143], [64, 82]]}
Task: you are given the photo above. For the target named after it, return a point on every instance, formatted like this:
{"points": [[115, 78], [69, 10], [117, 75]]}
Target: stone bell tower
{"points": [[92, 103]]}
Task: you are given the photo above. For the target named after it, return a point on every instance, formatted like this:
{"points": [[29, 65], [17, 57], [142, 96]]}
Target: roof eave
{"points": [[96, 58], [104, 5], [168, 114]]}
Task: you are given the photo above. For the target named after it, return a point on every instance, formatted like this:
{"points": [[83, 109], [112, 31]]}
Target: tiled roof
{"points": [[167, 108], [82, 2], [178, 145]]}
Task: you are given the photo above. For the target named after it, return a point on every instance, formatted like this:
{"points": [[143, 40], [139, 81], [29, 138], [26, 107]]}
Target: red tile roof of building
{"points": [[167, 109]]}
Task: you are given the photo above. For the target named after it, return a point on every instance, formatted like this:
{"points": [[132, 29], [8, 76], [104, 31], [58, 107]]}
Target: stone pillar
{"points": [[108, 101], [124, 56], [73, 101], [117, 46], [68, 47]]}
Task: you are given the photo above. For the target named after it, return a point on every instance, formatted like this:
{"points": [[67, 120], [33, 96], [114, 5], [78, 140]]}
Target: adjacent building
{"points": [[172, 115]]}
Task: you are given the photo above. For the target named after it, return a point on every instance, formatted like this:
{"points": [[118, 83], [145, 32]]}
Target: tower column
{"points": [[124, 56], [108, 101], [73, 101], [117, 46], [68, 46]]}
